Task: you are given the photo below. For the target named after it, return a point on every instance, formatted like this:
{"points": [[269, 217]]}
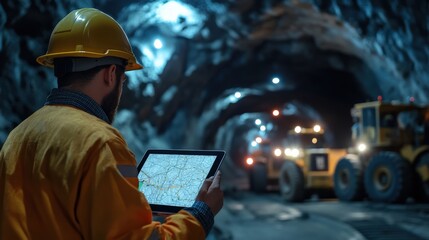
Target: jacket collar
{"points": [[78, 100]]}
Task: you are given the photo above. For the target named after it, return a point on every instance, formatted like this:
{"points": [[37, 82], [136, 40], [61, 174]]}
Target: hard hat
{"points": [[89, 33]]}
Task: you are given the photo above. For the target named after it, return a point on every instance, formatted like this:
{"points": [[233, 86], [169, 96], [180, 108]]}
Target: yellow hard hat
{"points": [[89, 33]]}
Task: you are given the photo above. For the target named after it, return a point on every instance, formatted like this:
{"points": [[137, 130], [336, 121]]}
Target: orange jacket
{"points": [[60, 178]]}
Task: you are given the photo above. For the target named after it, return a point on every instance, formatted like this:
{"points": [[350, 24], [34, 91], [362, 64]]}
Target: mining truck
{"points": [[389, 159]]}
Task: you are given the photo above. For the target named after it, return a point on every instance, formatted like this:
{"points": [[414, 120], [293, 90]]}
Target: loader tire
{"points": [[348, 179], [291, 182], [388, 178]]}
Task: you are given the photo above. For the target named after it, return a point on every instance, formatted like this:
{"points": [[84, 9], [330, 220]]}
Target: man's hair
{"points": [[84, 76]]}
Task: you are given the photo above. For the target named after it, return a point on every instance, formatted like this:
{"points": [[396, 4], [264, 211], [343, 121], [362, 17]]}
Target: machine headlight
{"points": [[292, 152], [249, 161], [277, 152], [314, 140], [317, 128], [361, 147]]}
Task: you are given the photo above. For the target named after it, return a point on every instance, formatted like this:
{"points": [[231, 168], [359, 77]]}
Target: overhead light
{"points": [[157, 44], [276, 112], [298, 129], [258, 122], [275, 80], [173, 10]]}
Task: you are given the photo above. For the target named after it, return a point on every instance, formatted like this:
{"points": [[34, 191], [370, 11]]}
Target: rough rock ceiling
{"points": [[328, 55]]}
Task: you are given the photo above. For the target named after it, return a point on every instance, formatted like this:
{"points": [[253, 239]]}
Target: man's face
{"points": [[110, 102]]}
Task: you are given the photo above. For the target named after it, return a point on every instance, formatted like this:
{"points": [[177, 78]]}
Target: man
{"points": [[65, 172]]}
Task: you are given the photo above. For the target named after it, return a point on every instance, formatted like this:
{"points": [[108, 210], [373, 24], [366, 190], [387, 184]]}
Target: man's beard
{"points": [[110, 102]]}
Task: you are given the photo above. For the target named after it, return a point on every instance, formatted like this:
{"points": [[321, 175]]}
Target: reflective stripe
{"points": [[127, 170]]}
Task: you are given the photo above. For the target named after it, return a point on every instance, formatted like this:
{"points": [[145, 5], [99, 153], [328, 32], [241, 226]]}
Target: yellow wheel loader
{"points": [[390, 159], [299, 164], [308, 165]]}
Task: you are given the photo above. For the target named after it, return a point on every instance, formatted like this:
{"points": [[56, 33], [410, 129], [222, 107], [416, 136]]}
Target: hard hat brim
{"points": [[48, 59]]}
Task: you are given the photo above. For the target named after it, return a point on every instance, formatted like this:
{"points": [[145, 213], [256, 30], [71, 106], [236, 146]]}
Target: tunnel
{"points": [[318, 89], [233, 75], [325, 60]]}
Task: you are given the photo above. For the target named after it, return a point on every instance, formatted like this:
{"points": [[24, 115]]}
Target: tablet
{"points": [[171, 179]]}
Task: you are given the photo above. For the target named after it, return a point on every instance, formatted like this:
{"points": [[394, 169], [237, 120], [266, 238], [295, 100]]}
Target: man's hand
{"points": [[211, 194]]}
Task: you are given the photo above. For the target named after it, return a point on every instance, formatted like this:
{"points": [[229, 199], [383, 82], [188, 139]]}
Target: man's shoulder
{"points": [[73, 121]]}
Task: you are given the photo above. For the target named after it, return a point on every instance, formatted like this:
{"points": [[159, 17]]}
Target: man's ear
{"points": [[110, 75]]}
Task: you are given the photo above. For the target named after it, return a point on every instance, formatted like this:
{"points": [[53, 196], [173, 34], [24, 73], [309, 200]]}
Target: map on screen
{"points": [[174, 179]]}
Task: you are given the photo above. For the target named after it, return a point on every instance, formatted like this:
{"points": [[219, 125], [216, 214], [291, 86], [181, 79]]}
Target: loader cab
{"points": [[381, 124], [390, 155], [306, 137]]}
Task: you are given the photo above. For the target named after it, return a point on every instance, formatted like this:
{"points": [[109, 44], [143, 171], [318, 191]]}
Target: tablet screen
{"points": [[171, 179]]}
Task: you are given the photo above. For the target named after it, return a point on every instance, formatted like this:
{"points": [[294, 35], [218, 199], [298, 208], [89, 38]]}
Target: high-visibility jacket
{"points": [[63, 175]]}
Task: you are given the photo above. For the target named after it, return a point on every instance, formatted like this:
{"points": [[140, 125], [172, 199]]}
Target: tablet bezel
{"points": [[167, 209]]}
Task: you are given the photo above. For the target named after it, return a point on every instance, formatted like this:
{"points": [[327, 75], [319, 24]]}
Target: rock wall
{"points": [[383, 44]]}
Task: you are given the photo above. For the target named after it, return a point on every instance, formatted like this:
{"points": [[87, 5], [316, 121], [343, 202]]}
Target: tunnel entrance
{"points": [[325, 89]]}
